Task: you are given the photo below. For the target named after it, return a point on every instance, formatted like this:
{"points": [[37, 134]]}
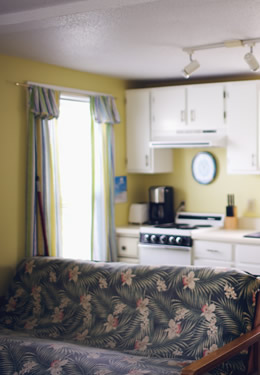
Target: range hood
{"points": [[207, 139]]}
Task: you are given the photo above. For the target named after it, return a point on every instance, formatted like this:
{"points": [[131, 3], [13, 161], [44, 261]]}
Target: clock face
{"points": [[204, 168]]}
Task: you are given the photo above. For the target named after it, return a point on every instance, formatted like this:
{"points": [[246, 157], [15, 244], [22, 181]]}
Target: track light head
{"points": [[191, 67], [249, 57], [251, 60]]}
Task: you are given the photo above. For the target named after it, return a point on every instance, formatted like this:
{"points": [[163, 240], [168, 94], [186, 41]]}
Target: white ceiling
{"points": [[132, 39]]}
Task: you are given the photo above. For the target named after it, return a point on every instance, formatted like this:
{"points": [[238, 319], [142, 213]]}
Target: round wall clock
{"points": [[204, 168]]}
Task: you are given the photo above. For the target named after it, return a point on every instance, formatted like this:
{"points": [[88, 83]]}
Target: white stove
{"points": [[171, 243]]}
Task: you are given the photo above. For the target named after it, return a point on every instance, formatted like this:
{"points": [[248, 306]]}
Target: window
{"points": [[74, 137]]}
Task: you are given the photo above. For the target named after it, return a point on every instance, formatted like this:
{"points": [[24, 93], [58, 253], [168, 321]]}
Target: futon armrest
{"points": [[2, 300], [221, 355]]}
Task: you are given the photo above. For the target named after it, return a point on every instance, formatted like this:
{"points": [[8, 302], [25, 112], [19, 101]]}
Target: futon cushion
{"points": [[164, 314]]}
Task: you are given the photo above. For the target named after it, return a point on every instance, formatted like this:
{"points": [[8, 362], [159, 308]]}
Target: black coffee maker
{"points": [[161, 204]]}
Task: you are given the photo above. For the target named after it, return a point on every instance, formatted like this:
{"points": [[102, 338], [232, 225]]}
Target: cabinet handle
{"points": [[192, 115], [123, 248], [253, 160], [225, 96], [213, 251], [146, 160], [182, 116]]}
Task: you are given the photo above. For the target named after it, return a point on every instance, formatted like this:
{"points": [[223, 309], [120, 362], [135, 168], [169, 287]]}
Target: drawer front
{"points": [[252, 268], [247, 254], [212, 263], [127, 247], [128, 260], [212, 250]]}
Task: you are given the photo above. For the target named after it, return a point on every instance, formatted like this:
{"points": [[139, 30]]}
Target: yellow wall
{"points": [[210, 198], [13, 145]]}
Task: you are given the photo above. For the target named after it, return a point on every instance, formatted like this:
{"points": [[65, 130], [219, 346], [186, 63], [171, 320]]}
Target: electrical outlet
{"points": [[182, 206]]}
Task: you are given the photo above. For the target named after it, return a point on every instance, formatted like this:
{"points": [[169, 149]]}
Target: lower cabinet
{"points": [[251, 268], [248, 258], [204, 253], [212, 263], [127, 244], [221, 254], [212, 254]]}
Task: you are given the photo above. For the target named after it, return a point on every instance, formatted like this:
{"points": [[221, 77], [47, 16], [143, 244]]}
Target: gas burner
{"points": [[165, 225], [178, 226], [186, 226]]}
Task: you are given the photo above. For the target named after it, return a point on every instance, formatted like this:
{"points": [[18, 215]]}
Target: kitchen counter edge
{"points": [[225, 235]]}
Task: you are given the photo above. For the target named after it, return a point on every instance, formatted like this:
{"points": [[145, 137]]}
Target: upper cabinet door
{"points": [[242, 120], [168, 106], [138, 130], [186, 109], [140, 157], [206, 107]]}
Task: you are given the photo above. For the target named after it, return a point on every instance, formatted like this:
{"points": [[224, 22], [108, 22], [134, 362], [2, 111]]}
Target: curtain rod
{"points": [[64, 89]]}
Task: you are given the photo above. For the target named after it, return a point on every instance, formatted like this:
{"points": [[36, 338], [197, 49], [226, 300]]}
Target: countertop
{"points": [[226, 235], [205, 234], [130, 230]]}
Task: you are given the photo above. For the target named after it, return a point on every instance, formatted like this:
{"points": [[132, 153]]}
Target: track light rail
{"points": [[249, 57], [226, 44]]}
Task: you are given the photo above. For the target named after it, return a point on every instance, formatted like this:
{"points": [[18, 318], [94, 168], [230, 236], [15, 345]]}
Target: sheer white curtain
{"points": [[104, 115]]}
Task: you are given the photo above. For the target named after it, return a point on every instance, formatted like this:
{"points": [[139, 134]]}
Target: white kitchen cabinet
{"points": [[243, 127], [248, 258], [140, 157], [127, 244], [251, 268], [212, 254], [245, 257], [190, 109], [206, 107], [200, 262], [168, 106], [128, 260]]}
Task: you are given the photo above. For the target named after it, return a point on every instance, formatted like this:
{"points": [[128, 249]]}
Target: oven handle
{"points": [[171, 247]]}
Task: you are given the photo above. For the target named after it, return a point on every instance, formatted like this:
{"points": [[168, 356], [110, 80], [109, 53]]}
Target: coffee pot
{"points": [[161, 204]]}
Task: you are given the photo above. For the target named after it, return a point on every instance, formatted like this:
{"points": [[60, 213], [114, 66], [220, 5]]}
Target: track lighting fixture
{"points": [[251, 60], [191, 67], [249, 57]]}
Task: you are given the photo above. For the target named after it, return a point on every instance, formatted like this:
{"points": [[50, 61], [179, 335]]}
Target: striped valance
{"points": [[105, 110], [42, 103]]}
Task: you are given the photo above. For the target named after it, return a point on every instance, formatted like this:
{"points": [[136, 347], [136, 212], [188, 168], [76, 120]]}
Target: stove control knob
{"points": [[146, 237], [163, 239], [171, 240], [178, 240], [153, 238]]}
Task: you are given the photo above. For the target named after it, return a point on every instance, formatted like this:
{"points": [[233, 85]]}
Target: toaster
{"points": [[138, 213]]}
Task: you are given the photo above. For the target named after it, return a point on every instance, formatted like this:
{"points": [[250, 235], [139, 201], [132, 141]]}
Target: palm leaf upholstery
{"points": [[76, 317]]}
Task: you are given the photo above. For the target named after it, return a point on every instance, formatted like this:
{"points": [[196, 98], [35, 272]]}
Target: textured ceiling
{"points": [[133, 39]]}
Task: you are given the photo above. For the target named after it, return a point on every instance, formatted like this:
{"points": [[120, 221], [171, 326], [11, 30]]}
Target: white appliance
{"points": [[171, 243], [138, 213], [188, 140]]}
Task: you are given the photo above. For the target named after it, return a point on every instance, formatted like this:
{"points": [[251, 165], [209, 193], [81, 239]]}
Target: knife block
{"points": [[231, 221]]}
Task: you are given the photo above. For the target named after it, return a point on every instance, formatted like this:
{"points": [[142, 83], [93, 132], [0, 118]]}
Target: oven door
{"points": [[164, 255]]}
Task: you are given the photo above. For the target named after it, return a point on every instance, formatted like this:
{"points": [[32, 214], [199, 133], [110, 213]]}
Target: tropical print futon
{"points": [[74, 317]]}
